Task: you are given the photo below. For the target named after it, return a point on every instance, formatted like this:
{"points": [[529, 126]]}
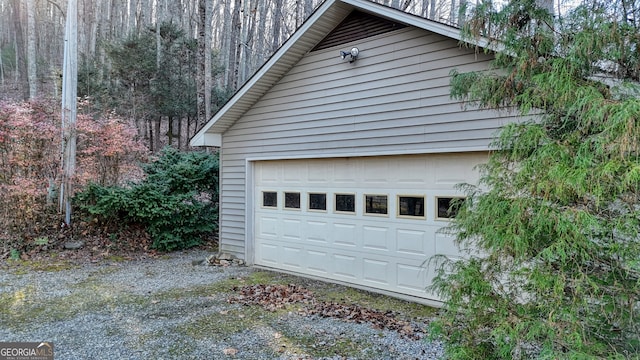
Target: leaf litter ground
{"points": [[275, 297]]}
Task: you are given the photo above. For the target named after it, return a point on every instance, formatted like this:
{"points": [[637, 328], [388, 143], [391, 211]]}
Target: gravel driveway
{"points": [[169, 308]]}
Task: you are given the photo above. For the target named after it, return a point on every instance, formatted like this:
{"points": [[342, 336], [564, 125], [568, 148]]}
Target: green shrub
{"points": [[553, 230], [177, 200]]}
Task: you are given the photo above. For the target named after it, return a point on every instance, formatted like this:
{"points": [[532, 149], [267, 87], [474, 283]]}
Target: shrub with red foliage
{"points": [[108, 152]]}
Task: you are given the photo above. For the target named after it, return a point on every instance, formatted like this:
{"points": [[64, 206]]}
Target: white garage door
{"points": [[369, 221]]}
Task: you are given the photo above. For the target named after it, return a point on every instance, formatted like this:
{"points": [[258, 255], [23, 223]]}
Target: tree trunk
{"points": [[261, 43], [156, 127], [246, 41], [234, 45], [131, 15], [299, 13], [452, 12], [92, 28], [308, 9], [179, 131], [2, 33], [226, 42], [159, 20], [207, 61], [170, 131], [1, 71], [103, 15], [21, 74], [432, 10], [31, 49], [201, 60], [424, 11], [150, 136], [461, 19], [278, 18]]}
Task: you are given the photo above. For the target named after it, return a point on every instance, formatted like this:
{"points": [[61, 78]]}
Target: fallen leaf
{"points": [[230, 351]]}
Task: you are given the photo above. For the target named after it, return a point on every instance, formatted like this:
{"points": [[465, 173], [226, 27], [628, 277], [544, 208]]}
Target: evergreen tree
{"points": [[557, 213]]}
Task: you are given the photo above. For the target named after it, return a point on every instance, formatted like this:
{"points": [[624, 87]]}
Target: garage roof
{"points": [[323, 20]]}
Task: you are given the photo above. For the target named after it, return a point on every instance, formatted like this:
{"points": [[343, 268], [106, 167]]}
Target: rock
{"points": [[197, 262], [225, 256], [224, 259], [73, 245]]}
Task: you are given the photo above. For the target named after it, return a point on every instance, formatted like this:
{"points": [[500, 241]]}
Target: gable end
{"points": [[356, 26]]}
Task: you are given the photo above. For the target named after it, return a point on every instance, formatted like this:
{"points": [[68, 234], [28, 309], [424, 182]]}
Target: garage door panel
{"points": [[293, 175], [345, 172], [445, 245], [377, 272], [378, 251], [375, 238], [376, 172], [270, 175], [267, 254], [291, 229], [317, 262], [318, 172], [344, 235], [411, 277], [453, 169], [317, 231], [346, 266], [268, 226], [292, 256], [413, 173], [412, 242]]}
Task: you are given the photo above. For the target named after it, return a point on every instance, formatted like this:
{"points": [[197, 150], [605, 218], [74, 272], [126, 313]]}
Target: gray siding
{"points": [[394, 98]]}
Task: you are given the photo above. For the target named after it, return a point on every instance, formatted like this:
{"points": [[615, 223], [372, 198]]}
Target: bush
{"points": [[177, 200], [557, 213], [108, 151]]}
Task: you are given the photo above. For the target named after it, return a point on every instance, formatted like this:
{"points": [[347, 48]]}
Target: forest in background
{"points": [[150, 60]]}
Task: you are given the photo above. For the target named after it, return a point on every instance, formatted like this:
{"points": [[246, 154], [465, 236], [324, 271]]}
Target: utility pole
{"points": [[69, 109]]}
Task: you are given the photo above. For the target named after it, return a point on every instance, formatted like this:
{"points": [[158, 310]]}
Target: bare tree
{"points": [[207, 61], [21, 73], [261, 45], [202, 50], [31, 49], [278, 17], [234, 46], [432, 10]]}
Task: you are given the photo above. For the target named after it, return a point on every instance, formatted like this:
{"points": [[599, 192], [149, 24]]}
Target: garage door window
{"points": [[292, 200], [270, 199], [346, 203], [375, 204], [411, 206], [448, 207], [318, 201]]}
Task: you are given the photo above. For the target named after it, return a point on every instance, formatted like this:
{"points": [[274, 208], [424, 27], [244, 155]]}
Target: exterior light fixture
{"points": [[353, 54]]}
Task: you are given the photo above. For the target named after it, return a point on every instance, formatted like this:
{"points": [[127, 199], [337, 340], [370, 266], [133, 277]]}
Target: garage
{"points": [[370, 222], [344, 169]]}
